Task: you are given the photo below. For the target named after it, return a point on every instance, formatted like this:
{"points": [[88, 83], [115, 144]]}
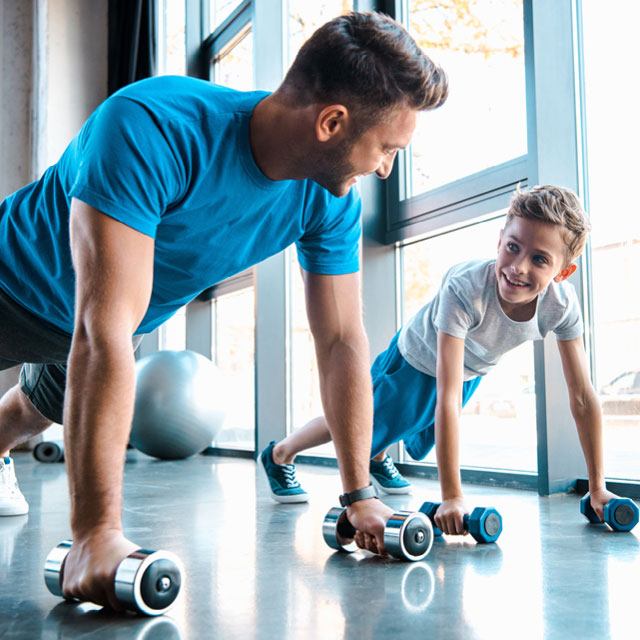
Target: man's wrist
{"points": [[347, 499]]}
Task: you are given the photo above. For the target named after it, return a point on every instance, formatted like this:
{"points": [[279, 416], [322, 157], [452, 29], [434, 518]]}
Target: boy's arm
{"points": [[587, 413], [449, 379]]}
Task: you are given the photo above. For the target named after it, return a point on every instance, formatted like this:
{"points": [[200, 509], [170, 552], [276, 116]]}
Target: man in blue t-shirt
{"points": [[172, 185]]}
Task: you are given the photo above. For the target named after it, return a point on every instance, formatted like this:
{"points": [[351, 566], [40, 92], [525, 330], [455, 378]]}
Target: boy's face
{"points": [[530, 255]]}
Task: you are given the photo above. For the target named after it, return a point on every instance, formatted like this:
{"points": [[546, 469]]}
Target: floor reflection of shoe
{"points": [[12, 502]]}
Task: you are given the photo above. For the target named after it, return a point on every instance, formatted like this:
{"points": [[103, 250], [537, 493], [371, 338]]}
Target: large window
{"points": [[233, 339], [498, 425], [613, 136], [480, 44], [235, 68], [171, 32]]}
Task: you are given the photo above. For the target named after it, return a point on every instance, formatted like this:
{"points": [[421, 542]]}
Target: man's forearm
{"points": [[345, 384], [98, 414]]}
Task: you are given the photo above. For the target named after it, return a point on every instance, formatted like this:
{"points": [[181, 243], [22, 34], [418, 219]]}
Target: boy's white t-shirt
{"points": [[467, 306]]}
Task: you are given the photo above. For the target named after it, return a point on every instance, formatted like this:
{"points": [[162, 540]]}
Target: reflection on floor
{"points": [[256, 569]]}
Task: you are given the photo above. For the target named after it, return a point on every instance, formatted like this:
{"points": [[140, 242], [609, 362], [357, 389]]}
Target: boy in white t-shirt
{"points": [[482, 309]]}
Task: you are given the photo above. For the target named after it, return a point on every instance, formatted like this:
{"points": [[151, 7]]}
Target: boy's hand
{"points": [[449, 516], [598, 499]]}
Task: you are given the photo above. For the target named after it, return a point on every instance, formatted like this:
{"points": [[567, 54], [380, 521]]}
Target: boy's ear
{"points": [[500, 238], [566, 272], [332, 121]]}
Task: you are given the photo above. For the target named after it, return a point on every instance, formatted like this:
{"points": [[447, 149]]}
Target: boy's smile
{"points": [[530, 255]]}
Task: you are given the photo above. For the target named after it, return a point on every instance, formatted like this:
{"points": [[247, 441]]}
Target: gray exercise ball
{"points": [[179, 405]]}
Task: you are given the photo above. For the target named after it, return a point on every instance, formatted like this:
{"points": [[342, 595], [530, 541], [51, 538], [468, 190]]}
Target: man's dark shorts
{"points": [[42, 350]]}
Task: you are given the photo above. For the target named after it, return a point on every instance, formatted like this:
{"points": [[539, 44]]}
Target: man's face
{"points": [[530, 255], [339, 168]]}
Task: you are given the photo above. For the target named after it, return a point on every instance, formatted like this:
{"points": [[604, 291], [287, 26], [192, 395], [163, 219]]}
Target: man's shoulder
{"points": [[188, 98]]}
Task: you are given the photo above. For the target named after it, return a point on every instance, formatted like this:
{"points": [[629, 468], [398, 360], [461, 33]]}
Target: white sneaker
{"points": [[12, 502]]}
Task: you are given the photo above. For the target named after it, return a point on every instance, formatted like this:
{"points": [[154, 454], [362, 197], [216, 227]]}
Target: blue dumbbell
{"points": [[483, 523], [621, 514]]}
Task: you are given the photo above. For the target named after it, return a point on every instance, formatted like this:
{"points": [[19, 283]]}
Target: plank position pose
{"points": [[172, 185], [482, 309]]}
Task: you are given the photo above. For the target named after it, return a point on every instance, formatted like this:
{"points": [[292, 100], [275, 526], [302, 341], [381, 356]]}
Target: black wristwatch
{"points": [[360, 494]]}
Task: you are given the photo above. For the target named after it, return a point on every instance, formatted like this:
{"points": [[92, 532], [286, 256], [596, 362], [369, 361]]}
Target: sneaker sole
{"points": [[390, 490], [282, 499], [14, 511]]}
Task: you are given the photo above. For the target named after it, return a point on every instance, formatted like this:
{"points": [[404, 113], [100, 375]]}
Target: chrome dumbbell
{"points": [[146, 581], [407, 535]]}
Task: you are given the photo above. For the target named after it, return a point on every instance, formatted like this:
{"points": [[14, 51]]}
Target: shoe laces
{"points": [[390, 467], [289, 473]]}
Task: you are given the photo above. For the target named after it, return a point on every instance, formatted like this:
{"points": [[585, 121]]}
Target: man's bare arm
{"points": [[114, 273], [342, 348]]}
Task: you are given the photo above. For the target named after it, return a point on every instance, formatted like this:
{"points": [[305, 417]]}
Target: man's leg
{"points": [[19, 420]]}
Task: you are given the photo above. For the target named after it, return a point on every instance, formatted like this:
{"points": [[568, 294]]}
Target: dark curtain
{"points": [[132, 41]]}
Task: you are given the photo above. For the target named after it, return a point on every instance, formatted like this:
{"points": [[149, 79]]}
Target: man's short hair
{"points": [[555, 205], [368, 62]]}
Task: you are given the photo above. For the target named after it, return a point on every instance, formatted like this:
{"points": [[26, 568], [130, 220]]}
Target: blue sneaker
{"points": [[282, 478], [386, 477]]}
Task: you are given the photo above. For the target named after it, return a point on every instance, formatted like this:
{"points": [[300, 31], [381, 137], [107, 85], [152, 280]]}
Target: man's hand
{"points": [[598, 499], [90, 567], [449, 516], [369, 518]]}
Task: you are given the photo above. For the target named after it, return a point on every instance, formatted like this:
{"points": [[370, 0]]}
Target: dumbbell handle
{"points": [[485, 526], [136, 585]]}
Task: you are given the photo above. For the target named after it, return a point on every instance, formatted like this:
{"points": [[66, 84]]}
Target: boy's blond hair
{"points": [[554, 205]]}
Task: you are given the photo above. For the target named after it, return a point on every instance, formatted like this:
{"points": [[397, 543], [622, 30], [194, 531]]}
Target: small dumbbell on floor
{"points": [[621, 514], [483, 523], [407, 535], [146, 581]]}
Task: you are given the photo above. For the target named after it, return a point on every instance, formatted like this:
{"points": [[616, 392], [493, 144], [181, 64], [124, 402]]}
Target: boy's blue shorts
{"points": [[404, 403]]}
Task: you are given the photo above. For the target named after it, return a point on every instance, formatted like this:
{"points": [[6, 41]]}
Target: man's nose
{"points": [[384, 170]]}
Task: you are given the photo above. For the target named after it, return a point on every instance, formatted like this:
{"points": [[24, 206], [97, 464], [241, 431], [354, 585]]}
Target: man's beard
{"points": [[333, 168]]}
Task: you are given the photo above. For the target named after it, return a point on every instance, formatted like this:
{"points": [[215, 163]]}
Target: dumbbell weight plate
{"points": [[53, 567], [148, 581], [408, 535], [337, 531], [492, 524], [624, 515]]}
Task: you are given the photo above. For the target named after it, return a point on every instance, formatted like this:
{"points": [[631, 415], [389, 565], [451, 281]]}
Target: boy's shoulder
{"points": [[471, 275], [559, 295]]}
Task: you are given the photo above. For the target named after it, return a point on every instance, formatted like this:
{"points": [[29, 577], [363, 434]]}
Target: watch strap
{"points": [[347, 499]]}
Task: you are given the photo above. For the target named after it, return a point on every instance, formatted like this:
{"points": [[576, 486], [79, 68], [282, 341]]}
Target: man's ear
{"points": [[566, 272], [332, 121], [500, 238]]}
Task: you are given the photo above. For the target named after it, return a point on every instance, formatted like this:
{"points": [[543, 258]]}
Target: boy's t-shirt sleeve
{"points": [[125, 166], [570, 326], [455, 311], [331, 242]]}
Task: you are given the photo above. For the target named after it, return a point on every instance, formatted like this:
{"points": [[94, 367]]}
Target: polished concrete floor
{"points": [[256, 569]]}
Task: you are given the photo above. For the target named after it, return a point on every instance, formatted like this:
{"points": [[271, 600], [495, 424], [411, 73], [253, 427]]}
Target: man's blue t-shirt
{"points": [[170, 157]]}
